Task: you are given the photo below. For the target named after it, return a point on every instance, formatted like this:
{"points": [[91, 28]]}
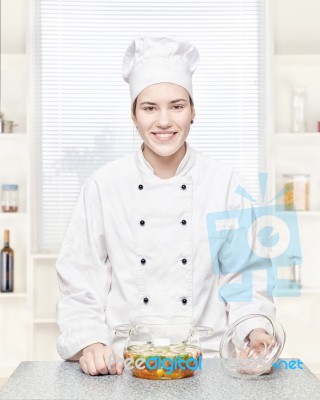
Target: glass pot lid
{"points": [[162, 331], [241, 359]]}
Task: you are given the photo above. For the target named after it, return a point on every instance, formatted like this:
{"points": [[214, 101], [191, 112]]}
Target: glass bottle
{"points": [[1, 122], [299, 110], [6, 268], [9, 199]]}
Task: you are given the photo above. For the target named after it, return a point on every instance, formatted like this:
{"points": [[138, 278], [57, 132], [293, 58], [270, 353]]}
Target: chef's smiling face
{"points": [[163, 115]]}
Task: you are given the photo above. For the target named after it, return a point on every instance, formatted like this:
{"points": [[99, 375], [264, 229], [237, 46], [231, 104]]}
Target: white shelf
{"points": [[298, 55], [289, 135], [302, 290], [44, 321], [297, 138], [44, 256], [299, 213], [288, 292], [13, 214], [310, 291], [8, 136], [13, 295]]}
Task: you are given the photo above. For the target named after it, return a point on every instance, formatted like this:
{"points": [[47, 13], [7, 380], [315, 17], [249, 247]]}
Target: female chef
{"points": [[137, 243]]}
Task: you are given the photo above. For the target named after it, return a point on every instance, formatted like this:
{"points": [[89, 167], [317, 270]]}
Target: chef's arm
{"points": [[84, 277], [247, 293], [76, 357], [246, 277]]}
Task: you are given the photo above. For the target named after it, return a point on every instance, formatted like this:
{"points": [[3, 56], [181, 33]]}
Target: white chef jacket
{"points": [[138, 245]]}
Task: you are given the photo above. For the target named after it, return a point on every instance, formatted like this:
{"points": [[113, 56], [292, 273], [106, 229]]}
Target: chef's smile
{"points": [[164, 136]]}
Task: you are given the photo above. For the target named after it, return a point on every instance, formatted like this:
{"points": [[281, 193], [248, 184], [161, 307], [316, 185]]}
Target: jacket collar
{"points": [[184, 167]]}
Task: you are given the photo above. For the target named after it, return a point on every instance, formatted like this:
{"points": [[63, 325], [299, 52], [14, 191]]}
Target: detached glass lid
{"points": [[247, 359]]}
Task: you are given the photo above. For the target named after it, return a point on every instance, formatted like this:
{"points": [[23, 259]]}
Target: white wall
{"points": [[13, 25], [297, 26]]}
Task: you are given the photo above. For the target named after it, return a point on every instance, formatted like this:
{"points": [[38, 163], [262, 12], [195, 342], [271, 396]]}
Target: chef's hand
{"points": [[100, 359], [259, 339]]}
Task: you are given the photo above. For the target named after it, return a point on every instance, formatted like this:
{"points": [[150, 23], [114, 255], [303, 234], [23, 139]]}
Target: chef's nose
{"points": [[164, 119]]}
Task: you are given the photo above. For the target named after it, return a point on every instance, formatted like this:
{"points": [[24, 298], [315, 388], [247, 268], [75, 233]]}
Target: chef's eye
{"points": [[178, 106], [149, 108]]}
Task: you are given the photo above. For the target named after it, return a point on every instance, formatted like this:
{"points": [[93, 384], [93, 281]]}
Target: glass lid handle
{"points": [[122, 330], [204, 331]]}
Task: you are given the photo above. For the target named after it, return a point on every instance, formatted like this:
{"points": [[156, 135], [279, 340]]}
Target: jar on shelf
{"points": [[9, 198], [296, 192], [289, 276], [299, 124]]}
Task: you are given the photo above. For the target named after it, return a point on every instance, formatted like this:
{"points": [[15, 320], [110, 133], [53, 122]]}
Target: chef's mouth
{"points": [[164, 137]]}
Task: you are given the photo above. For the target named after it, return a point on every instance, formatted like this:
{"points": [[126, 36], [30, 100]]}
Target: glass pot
{"points": [[299, 110], [162, 348], [240, 360]]}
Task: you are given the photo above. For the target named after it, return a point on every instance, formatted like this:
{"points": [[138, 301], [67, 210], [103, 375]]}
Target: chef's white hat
{"points": [[149, 60]]}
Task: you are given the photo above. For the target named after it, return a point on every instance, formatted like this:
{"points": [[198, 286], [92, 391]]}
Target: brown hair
{"points": [[134, 105]]}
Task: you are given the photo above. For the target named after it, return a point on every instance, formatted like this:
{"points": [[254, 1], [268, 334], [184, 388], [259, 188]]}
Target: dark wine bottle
{"points": [[7, 258]]}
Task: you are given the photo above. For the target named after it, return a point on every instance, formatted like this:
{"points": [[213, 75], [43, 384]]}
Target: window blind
{"points": [[83, 104]]}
